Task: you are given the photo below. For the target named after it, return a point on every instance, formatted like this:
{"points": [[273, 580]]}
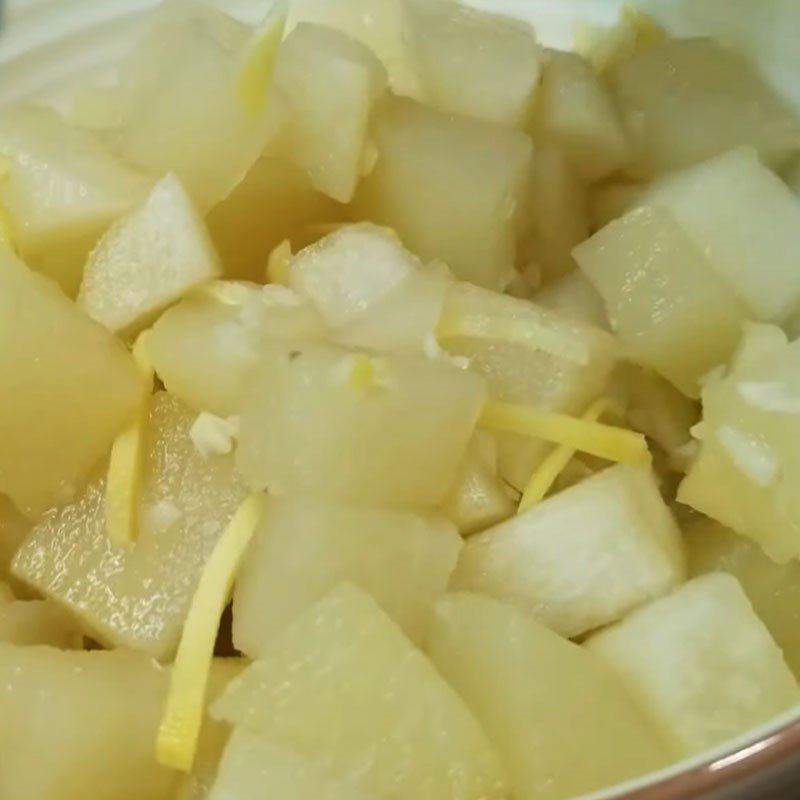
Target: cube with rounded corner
{"points": [[561, 721], [450, 186], [343, 686], [383, 430], [584, 557], [700, 663], [305, 547], [68, 388], [147, 260], [664, 299], [472, 62], [746, 473], [138, 597]]}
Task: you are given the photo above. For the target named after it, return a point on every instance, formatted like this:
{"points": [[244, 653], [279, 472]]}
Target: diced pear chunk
{"points": [[473, 63], [544, 702], [478, 497], [344, 687], [573, 295], [204, 350], [253, 767], [306, 547], [749, 463], [575, 109], [138, 598], [556, 214], [329, 82], [403, 422], [274, 201], [664, 299], [376, 23], [773, 589], [38, 622], [68, 388], [205, 136], [747, 223], [450, 186], [687, 100], [527, 354], [700, 663], [148, 260], [63, 190], [583, 558], [351, 270], [95, 716]]}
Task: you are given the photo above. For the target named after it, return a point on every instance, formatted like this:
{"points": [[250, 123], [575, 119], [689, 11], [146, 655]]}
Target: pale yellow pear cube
{"points": [[746, 473], [527, 354], [475, 63], [69, 388], [350, 271], [138, 597], [747, 223], [329, 82], [686, 100], [254, 767], [773, 589], [371, 291], [378, 24], [700, 663], [479, 498], [184, 114], [664, 298], [344, 687], [95, 716], [555, 215], [576, 110], [63, 189], [562, 723], [305, 547], [450, 186], [383, 430], [148, 260], [573, 295], [583, 558], [204, 349]]}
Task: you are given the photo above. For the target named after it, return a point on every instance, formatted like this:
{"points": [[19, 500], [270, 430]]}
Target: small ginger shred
{"points": [[279, 263], [511, 331], [258, 63], [178, 734], [556, 462], [604, 441], [126, 464]]}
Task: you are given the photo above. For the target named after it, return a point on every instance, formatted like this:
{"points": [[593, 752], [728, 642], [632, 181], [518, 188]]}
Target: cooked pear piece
{"points": [[403, 423], [305, 547], [583, 558], [471, 62], [148, 260], [450, 186], [543, 701], [686, 100], [70, 387], [700, 663], [320, 689], [138, 597]]}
